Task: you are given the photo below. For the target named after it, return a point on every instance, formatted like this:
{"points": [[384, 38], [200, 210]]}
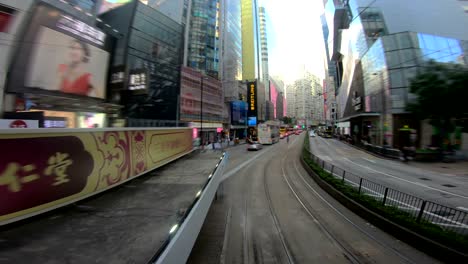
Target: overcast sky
{"points": [[295, 38]]}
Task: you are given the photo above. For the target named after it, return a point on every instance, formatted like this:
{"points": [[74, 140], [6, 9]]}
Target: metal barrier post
{"points": [[385, 196], [421, 211], [331, 172], [360, 184], [323, 164], [344, 173]]}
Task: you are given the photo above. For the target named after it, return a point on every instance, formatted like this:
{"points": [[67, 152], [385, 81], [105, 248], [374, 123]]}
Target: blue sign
{"points": [[238, 113], [252, 121]]}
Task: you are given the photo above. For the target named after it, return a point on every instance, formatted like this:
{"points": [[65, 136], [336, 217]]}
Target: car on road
{"points": [[254, 146], [311, 134]]}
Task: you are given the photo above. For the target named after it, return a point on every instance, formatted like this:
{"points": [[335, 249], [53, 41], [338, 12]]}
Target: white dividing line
{"points": [[462, 208], [401, 179], [369, 160]]}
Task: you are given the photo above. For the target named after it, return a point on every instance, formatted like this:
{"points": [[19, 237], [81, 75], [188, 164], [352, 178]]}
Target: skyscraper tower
{"points": [[265, 78], [250, 48], [202, 49]]}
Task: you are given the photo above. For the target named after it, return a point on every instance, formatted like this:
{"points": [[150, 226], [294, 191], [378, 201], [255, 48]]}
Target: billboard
{"points": [[63, 167], [238, 113], [61, 54], [252, 100]]}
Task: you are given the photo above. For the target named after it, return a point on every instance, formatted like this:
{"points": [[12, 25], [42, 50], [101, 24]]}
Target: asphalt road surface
{"points": [[271, 211], [445, 189]]}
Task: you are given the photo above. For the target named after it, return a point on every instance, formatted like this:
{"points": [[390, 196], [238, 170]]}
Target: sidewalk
{"points": [[124, 225]]}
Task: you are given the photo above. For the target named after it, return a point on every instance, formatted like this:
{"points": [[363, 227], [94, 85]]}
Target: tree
{"points": [[442, 93]]}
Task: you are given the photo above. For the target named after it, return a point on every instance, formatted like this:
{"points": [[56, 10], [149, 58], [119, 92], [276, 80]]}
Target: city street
{"points": [[444, 188], [271, 211]]}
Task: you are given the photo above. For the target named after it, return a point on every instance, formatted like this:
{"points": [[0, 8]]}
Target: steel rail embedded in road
{"points": [[347, 252]]}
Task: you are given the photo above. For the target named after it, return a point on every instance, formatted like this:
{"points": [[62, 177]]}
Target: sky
{"points": [[295, 38]]}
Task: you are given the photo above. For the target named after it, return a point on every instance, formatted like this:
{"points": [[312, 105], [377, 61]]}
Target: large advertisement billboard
{"points": [[61, 54], [238, 113]]}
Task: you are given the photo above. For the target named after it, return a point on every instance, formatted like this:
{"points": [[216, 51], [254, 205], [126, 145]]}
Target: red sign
{"points": [[18, 124], [36, 171]]}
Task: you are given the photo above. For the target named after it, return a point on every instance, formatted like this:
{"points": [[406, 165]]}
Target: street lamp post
{"points": [[201, 112]]}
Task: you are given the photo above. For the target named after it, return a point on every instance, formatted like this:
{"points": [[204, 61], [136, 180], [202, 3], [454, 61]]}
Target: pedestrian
{"points": [[287, 139]]}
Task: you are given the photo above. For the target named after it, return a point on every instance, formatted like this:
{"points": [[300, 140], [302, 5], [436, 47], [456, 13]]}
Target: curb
{"points": [[422, 243]]}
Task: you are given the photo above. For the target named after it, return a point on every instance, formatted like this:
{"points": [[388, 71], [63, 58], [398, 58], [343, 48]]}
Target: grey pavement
{"points": [[126, 224], [443, 183], [270, 211]]}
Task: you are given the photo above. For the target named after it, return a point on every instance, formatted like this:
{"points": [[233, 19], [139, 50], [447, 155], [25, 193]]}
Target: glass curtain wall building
{"points": [[231, 48], [151, 53], [203, 40], [377, 48]]}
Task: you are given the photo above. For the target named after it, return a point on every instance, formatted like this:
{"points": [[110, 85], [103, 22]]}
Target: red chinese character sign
{"points": [[35, 171], [40, 171]]}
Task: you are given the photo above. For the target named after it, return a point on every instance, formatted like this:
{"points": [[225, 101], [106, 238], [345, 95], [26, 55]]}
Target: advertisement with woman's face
{"points": [[66, 64]]}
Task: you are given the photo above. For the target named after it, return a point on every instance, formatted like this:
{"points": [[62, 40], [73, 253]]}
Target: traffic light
{"points": [[303, 126]]}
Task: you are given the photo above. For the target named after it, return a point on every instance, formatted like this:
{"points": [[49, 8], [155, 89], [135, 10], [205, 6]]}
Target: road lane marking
{"points": [[401, 179], [346, 218], [369, 160], [408, 206]]}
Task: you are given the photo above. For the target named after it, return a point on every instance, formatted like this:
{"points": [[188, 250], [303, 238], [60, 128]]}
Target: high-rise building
{"points": [[304, 100], [278, 97], [265, 77], [250, 56], [231, 49], [175, 9], [377, 48], [291, 100], [203, 44], [151, 51]]}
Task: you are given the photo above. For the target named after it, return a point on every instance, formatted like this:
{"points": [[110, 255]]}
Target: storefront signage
{"points": [[138, 80]]}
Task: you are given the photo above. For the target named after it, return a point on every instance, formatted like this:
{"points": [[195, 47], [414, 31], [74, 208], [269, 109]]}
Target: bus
{"points": [[268, 133]]}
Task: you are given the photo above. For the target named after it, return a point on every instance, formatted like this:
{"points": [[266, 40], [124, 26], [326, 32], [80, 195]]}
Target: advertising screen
{"points": [[73, 66], [61, 54], [238, 113]]}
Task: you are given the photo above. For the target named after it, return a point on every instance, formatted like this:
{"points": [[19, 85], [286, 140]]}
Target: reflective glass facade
{"points": [[231, 49], [203, 42], [152, 46], [392, 61]]}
